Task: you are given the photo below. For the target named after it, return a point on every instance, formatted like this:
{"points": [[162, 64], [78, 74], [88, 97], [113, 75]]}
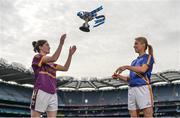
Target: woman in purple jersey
{"points": [[44, 98], [140, 96]]}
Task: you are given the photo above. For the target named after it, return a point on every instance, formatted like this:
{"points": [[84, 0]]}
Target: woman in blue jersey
{"points": [[140, 95]]}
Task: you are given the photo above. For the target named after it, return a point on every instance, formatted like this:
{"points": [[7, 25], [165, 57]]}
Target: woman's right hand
{"points": [[121, 77], [121, 69], [62, 39], [115, 76]]}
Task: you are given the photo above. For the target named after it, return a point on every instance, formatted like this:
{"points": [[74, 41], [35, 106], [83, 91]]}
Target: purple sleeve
{"points": [[55, 65], [37, 60]]}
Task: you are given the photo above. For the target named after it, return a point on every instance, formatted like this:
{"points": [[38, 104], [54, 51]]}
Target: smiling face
{"points": [[140, 45], [45, 48]]}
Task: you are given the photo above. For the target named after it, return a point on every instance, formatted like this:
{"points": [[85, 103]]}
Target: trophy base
{"points": [[84, 29]]}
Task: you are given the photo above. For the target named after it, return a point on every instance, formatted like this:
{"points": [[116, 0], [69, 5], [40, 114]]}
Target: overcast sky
{"points": [[102, 50]]}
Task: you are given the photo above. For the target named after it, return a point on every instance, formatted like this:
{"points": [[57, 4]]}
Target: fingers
{"points": [[119, 71], [72, 49], [62, 39], [63, 36], [74, 46], [115, 76], [116, 71]]}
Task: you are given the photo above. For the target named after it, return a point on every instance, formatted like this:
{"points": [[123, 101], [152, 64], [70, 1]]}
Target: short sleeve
{"points": [[37, 60], [148, 60], [55, 65]]}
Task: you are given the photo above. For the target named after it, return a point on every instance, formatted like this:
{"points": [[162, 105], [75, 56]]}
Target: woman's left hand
{"points": [[72, 50]]}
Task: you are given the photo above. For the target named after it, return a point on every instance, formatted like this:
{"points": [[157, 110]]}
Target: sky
{"points": [[101, 51]]}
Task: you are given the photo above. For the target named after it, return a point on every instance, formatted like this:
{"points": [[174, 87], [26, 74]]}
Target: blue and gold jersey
{"points": [[136, 80]]}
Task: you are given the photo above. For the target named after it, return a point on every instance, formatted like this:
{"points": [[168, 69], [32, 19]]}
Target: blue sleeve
{"points": [[149, 60]]}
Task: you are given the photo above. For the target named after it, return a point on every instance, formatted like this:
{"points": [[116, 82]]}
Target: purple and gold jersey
{"points": [[45, 74]]}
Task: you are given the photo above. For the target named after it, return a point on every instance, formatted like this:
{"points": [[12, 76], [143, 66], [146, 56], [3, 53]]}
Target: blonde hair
{"points": [[143, 40]]}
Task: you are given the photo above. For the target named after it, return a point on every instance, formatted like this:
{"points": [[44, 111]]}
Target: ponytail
{"points": [[150, 50], [34, 43]]}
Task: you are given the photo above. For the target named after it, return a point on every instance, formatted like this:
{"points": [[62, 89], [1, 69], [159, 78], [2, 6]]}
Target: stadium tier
{"points": [[85, 97]]}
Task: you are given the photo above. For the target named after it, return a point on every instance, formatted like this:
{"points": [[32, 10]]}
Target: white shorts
{"points": [[140, 97], [42, 101]]}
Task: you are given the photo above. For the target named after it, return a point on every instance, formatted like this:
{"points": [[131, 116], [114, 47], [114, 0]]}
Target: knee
{"points": [[134, 114], [148, 112]]}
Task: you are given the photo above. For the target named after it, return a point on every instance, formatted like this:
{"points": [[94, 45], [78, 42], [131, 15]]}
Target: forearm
{"points": [[68, 62], [57, 53], [137, 69], [124, 78]]}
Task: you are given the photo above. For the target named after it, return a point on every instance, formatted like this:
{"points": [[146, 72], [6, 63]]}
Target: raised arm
{"points": [[68, 62], [56, 54]]}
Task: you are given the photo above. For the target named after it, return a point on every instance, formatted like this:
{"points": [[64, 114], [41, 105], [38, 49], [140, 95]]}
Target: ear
{"points": [[144, 46], [40, 47]]}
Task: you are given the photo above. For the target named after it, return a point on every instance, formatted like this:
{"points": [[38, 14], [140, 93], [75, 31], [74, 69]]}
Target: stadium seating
{"points": [[16, 98], [100, 97]]}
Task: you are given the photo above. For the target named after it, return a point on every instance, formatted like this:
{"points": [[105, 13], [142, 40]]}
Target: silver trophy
{"points": [[89, 16], [86, 16]]}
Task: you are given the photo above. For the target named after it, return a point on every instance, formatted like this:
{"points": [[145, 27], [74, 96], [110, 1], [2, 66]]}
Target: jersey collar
{"points": [[141, 55]]}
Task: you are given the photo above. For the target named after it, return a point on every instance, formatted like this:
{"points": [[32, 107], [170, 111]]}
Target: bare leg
{"points": [[148, 112], [51, 114], [35, 114], [134, 113]]}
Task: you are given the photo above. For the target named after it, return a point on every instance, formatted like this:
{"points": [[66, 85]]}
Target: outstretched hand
{"points": [[72, 50], [62, 39], [115, 76], [120, 70]]}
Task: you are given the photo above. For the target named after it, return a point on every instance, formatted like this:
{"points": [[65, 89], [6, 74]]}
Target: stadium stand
{"points": [[85, 97]]}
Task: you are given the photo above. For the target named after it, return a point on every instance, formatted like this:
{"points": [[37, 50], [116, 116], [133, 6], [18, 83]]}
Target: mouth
{"points": [[135, 49], [48, 51]]}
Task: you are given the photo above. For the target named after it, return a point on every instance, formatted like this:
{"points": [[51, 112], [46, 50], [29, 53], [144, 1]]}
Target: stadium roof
{"points": [[18, 73]]}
